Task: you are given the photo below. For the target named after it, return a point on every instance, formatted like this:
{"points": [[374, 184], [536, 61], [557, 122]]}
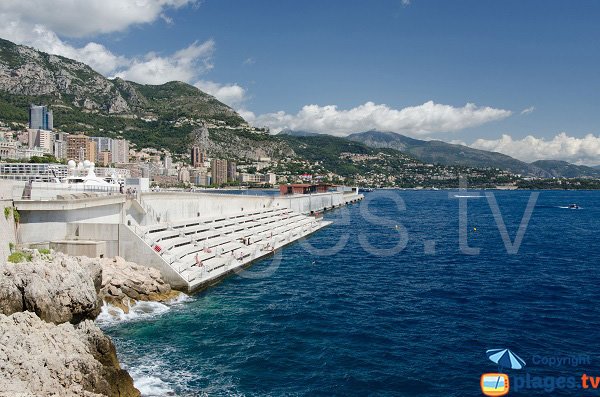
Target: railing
{"points": [[50, 191]]}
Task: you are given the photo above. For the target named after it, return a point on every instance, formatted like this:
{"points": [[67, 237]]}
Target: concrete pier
{"points": [[194, 239]]}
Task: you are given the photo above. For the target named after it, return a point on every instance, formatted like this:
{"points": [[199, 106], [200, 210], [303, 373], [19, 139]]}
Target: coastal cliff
{"points": [[49, 343]]}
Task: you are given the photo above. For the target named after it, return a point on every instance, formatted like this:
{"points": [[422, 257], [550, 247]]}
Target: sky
{"points": [[518, 77]]}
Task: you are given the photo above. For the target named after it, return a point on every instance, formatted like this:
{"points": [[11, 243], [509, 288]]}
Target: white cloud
{"points": [[528, 110], [73, 18], [421, 120], [184, 65], [584, 150], [42, 23], [405, 3], [249, 61], [230, 94]]}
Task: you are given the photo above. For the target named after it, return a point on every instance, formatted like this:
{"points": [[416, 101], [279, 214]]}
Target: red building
{"points": [[303, 188]]}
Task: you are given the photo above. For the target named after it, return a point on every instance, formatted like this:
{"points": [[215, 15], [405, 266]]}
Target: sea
{"points": [[401, 296]]}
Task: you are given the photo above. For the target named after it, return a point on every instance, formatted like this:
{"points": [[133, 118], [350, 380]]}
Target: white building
{"points": [[120, 151], [103, 144], [258, 178]]}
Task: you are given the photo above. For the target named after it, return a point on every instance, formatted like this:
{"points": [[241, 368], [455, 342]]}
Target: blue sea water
{"points": [[416, 323]]}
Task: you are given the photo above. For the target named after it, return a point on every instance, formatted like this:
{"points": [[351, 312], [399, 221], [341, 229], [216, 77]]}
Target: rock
{"points": [[103, 350], [114, 291], [11, 298], [58, 289], [124, 282], [130, 292], [163, 288], [42, 359]]}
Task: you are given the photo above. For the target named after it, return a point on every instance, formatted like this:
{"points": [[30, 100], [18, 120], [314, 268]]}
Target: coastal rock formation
{"points": [[42, 359], [124, 282], [57, 288], [49, 345]]}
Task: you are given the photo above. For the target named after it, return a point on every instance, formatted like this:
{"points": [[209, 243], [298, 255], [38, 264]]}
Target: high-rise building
{"points": [[40, 118], [120, 151], [80, 148], [104, 158], [44, 140], [231, 171], [219, 171], [60, 145], [168, 162], [60, 149], [103, 144], [198, 156], [90, 151]]}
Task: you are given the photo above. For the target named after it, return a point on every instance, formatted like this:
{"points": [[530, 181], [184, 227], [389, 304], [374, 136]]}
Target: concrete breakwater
{"points": [[193, 239], [49, 342]]}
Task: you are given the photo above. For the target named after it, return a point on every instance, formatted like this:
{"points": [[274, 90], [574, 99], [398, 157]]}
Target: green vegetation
{"points": [[97, 106], [16, 215], [19, 256], [11, 247], [560, 184], [44, 251], [7, 211]]}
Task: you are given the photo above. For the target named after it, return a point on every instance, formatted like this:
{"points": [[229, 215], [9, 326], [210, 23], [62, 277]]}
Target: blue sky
{"points": [[273, 56]]}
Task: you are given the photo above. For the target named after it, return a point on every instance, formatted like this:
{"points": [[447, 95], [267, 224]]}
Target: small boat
{"points": [[573, 206]]}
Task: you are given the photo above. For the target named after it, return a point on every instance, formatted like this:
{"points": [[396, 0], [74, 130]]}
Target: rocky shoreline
{"points": [[124, 283], [49, 343]]}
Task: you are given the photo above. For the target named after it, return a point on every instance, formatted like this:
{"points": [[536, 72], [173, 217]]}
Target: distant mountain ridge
{"points": [[452, 154], [558, 168]]}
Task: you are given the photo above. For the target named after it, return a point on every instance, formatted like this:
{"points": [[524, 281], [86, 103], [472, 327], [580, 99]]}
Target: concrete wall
{"points": [[170, 206], [91, 249], [10, 189], [7, 230], [44, 221], [109, 233], [134, 249]]}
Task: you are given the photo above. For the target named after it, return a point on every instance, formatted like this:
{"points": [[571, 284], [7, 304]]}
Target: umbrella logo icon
{"points": [[505, 359], [498, 384]]}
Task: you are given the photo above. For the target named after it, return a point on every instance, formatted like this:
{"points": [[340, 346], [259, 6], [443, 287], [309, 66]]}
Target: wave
{"points": [[467, 196], [150, 386], [158, 377], [110, 314]]}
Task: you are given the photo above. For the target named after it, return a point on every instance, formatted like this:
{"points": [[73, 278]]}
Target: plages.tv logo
{"points": [[497, 383]]}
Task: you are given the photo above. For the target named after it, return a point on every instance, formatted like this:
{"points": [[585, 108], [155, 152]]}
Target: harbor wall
{"points": [[51, 220], [43, 221], [171, 207]]}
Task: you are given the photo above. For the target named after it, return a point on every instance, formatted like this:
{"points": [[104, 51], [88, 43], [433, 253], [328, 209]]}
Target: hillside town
{"points": [[39, 141]]}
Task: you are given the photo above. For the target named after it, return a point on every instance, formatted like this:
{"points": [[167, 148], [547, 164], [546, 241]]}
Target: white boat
{"points": [[82, 177]]}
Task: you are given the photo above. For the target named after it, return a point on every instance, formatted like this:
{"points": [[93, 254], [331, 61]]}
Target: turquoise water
{"points": [[416, 323]]}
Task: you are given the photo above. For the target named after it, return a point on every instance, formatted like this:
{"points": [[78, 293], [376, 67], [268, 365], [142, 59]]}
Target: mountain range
{"points": [[172, 115], [83, 100], [439, 152]]}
